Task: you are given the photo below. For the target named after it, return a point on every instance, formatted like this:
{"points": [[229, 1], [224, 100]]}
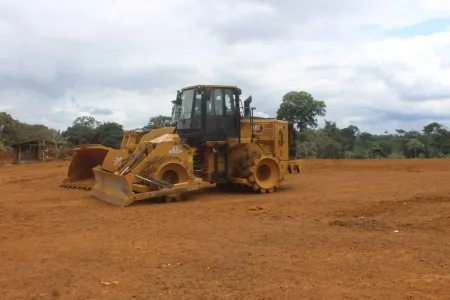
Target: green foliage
{"points": [[35, 131], [84, 130], [9, 129], [59, 141], [332, 142], [110, 134], [158, 122], [2, 146], [301, 109], [79, 134], [13, 131], [87, 130], [86, 121], [414, 145]]}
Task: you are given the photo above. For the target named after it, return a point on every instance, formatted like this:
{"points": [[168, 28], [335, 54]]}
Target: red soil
{"points": [[342, 230]]}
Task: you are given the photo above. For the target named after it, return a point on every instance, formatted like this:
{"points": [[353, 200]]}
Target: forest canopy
{"points": [[298, 107]]}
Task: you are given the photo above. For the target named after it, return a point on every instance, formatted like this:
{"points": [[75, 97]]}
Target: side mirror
{"points": [[247, 105], [178, 99]]}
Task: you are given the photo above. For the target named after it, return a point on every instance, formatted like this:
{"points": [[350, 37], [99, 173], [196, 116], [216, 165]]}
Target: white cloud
{"points": [[123, 61]]}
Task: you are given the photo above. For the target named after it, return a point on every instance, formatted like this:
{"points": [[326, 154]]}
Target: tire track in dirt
{"points": [[420, 213], [27, 179]]}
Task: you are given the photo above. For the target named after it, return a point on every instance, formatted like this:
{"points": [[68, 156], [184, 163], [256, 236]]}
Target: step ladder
{"points": [[221, 157]]}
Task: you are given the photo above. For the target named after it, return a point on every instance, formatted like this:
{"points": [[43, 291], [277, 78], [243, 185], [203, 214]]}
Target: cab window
{"points": [[210, 107], [186, 109], [218, 102], [229, 102], [198, 105]]}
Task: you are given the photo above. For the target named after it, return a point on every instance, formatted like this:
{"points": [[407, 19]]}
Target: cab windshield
{"points": [[176, 110], [187, 101]]}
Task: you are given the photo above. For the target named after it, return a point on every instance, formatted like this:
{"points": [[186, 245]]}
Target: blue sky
{"points": [[426, 27]]}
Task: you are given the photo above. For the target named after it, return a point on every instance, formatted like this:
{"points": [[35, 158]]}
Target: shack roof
{"points": [[33, 142]]}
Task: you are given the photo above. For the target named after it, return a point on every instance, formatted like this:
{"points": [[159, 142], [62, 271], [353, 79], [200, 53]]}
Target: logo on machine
{"points": [[257, 128], [175, 149], [117, 160]]}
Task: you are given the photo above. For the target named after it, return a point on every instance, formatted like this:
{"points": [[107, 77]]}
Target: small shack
{"points": [[34, 150]]}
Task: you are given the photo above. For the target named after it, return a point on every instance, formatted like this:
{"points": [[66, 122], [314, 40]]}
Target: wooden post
{"points": [[43, 150]]}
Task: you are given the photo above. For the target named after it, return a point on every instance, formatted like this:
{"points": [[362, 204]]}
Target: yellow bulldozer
{"points": [[88, 156], [216, 139]]}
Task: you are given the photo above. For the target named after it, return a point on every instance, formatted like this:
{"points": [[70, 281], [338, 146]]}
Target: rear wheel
{"points": [[265, 174]]}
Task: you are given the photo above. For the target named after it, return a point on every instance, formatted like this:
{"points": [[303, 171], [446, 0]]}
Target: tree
{"points": [[415, 145], [328, 147], [79, 134], [400, 132], [159, 122], [110, 134], [59, 141], [306, 143], [301, 109], [432, 128], [349, 136], [374, 150], [34, 131], [9, 129], [86, 121], [83, 131], [12, 131]]}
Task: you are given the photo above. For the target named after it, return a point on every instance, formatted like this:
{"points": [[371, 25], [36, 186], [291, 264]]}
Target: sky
{"points": [[379, 65]]}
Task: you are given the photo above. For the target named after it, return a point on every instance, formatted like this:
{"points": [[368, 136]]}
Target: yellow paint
{"points": [[80, 174], [259, 162]]}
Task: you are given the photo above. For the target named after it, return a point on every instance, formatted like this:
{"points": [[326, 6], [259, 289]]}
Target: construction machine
{"points": [[217, 140], [88, 156]]}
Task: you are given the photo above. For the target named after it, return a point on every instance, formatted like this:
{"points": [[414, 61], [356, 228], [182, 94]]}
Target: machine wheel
{"points": [[170, 169], [265, 174]]}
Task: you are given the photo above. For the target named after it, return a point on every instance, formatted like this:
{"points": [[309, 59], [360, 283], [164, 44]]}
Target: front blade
{"points": [[113, 188], [79, 173]]}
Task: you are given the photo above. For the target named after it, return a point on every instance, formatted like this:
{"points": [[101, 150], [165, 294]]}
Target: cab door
{"points": [[197, 112], [221, 118], [231, 118]]}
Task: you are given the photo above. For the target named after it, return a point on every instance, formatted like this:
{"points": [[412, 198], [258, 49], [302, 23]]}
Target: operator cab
{"points": [[207, 112]]}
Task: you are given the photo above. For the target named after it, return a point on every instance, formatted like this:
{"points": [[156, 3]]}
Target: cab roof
{"points": [[210, 86]]}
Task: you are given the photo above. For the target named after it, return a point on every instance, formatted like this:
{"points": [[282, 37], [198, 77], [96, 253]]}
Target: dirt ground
{"points": [[6, 157], [341, 230]]}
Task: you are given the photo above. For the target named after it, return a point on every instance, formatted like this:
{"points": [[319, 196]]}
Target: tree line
{"points": [[300, 108], [83, 130]]}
